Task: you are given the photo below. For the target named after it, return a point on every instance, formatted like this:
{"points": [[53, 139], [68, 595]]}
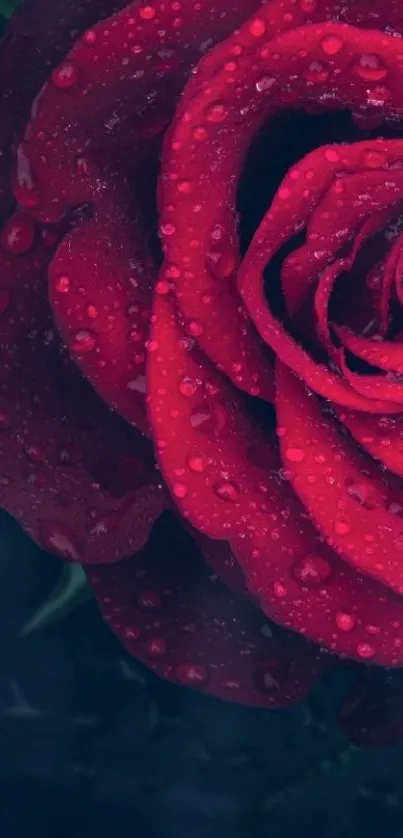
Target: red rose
{"points": [[253, 386]]}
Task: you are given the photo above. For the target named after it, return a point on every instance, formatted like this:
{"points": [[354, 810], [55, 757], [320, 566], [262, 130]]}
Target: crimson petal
{"points": [[171, 613], [80, 481], [345, 494], [29, 50], [205, 439]]}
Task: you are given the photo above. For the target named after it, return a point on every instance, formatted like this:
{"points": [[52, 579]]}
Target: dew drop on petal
{"points": [[365, 651], [371, 68], [311, 571], [295, 455], [65, 76], [216, 112], [180, 490], [345, 622], [191, 673], [188, 386], [156, 647], [226, 490], [83, 341], [342, 527]]}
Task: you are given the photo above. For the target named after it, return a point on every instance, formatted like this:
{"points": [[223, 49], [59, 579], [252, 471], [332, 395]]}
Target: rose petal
{"points": [[100, 292], [29, 50], [80, 481], [204, 438], [346, 496], [170, 612], [208, 139], [381, 436]]}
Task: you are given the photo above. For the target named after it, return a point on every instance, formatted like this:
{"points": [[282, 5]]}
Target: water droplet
{"points": [[188, 386], [295, 455], [65, 76], [62, 284], [363, 493], [196, 463], [90, 37], [83, 341], [191, 673], [371, 68], [316, 73], [195, 328], [364, 650], [226, 490], [332, 45], [265, 83], [332, 155], [147, 12], [373, 159], [131, 633], [138, 385], [257, 27], [279, 590], [149, 601], [156, 647], [216, 112], [345, 622], [167, 228], [342, 527], [311, 571], [180, 490], [17, 236]]}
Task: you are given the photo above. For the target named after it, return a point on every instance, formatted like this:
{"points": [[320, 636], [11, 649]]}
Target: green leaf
{"points": [[70, 591]]}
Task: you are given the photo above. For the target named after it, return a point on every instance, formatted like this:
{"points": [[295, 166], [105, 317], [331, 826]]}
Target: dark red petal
{"points": [[220, 558], [207, 446], [29, 50], [382, 436], [174, 615], [372, 714], [344, 492], [120, 76], [214, 126], [77, 478], [385, 354], [100, 292]]}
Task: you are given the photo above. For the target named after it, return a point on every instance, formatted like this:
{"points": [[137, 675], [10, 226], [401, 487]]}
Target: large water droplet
{"points": [[83, 341], [65, 76], [227, 490], [370, 67], [216, 112]]}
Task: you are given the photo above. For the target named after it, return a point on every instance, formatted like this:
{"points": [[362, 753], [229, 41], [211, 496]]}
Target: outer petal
{"points": [[29, 50], [215, 123], [80, 481], [174, 615], [207, 443], [381, 436]]}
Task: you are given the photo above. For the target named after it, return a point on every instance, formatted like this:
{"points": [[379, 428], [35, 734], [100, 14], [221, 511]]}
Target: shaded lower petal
{"points": [[78, 479], [207, 444], [171, 613]]}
